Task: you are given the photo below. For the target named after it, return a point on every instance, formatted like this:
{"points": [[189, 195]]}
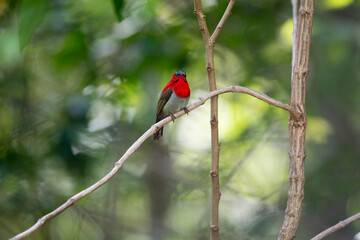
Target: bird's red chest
{"points": [[179, 86], [182, 90]]}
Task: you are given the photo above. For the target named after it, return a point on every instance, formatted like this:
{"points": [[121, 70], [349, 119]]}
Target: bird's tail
{"points": [[158, 134]]}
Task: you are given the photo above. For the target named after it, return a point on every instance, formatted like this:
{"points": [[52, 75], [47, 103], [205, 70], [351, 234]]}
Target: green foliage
{"points": [[73, 51], [118, 7], [32, 13]]}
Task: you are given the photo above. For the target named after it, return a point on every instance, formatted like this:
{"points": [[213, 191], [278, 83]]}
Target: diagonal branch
{"points": [[336, 227], [222, 22], [154, 128]]}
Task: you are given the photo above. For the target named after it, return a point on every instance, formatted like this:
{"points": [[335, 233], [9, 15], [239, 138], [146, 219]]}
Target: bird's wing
{"points": [[164, 97]]}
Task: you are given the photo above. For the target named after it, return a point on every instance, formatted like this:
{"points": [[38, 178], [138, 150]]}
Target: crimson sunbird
{"points": [[174, 97]]}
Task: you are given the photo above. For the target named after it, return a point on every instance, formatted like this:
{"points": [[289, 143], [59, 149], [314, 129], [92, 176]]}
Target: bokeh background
{"points": [[79, 82]]}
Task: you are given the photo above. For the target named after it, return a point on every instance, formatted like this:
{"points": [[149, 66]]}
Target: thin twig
{"points": [[297, 126], [138, 143], [294, 4], [336, 227], [214, 123], [202, 20], [222, 22]]}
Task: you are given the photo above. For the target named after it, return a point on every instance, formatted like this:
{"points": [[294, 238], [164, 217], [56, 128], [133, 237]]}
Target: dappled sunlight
{"points": [[58, 180], [336, 4], [238, 208], [238, 112], [127, 28], [166, 12], [286, 33], [250, 214], [264, 173], [230, 70], [78, 222], [104, 115], [319, 130], [187, 216], [192, 131], [79, 84]]}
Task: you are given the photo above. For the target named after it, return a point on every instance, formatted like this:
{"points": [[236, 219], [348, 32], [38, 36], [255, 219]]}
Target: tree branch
{"points": [[222, 22], [294, 4], [202, 20], [336, 227], [214, 123], [297, 126], [154, 128]]}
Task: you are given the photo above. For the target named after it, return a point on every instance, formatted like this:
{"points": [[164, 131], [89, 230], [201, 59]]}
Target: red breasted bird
{"points": [[174, 97]]}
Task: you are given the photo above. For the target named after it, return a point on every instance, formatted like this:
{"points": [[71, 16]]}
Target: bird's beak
{"points": [[178, 79]]}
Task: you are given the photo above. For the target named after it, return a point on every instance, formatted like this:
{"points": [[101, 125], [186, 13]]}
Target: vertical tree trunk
{"points": [[215, 145], [297, 126]]}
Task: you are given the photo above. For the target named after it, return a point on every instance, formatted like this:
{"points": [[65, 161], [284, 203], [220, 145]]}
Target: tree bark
{"points": [[209, 42], [297, 125]]}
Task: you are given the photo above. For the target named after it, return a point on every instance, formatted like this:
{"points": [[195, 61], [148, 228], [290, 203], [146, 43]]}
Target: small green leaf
{"points": [[73, 52], [118, 6], [31, 14]]}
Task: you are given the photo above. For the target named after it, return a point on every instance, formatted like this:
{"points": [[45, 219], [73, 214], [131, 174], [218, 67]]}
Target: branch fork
{"points": [[297, 125], [154, 128]]}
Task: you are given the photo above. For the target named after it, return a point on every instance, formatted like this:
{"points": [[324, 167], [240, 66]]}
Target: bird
{"points": [[174, 97]]}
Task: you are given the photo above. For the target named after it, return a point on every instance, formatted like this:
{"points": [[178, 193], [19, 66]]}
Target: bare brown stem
{"points": [[222, 21], [336, 227], [297, 126], [215, 145], [154, 128], [294, 4]]}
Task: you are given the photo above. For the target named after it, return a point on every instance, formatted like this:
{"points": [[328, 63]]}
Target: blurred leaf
{"points": [[32, 13], [73, 51], [118, 6], [336, 4]]}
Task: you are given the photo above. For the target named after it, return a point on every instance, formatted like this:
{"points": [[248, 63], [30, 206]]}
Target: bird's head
{"points": [[179, 76]]}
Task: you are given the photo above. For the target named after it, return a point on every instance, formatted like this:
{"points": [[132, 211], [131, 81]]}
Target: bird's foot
{"points": [[186, 110], [172, 117]]}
